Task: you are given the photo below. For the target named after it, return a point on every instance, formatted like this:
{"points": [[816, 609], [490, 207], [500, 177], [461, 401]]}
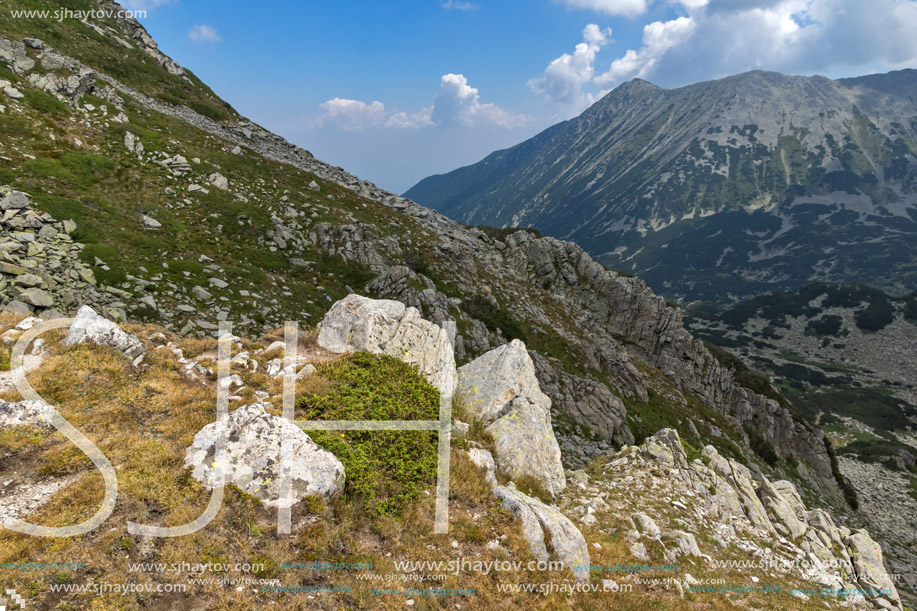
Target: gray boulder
{"points": [[739, 477], [218, 180], [37, 297], [381, 326], [565, 540], [680, 543], [665, 448], [483, 459], [24, 413], [501, 389], [89, 327], [645, 525], [253, 443], [870, 568], [14, 200], [149, 222]]}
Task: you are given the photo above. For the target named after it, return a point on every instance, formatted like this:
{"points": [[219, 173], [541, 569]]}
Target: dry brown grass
{"points": [[144, 419]]}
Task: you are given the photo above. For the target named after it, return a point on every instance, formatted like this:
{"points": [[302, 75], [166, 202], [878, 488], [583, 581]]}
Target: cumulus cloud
{"points": [[564, 78], [658, 38], [351, 114], [717, 38], [627, 8], [456, 105], [204, 33]]}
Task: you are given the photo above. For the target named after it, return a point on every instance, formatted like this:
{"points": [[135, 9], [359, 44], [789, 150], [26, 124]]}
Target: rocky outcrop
{"points": [[399, 282], [587, 402], [253, 442], [866, 556], [13, 53], [538, 519], [381, 326], [624, 307], [501, 390], [90, 328], [138, 34], [749, 511]]}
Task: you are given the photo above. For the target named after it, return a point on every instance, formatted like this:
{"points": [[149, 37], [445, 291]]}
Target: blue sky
{"points": [[396, 91]]}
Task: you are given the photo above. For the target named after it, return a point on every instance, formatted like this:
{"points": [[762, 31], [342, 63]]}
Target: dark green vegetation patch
{"points": [[385, 471]]}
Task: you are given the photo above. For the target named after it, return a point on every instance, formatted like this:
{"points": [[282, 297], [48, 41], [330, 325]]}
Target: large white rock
{"points": [[537, 520], [253, 441], [382, 326], [501, 389], [89, 327]]}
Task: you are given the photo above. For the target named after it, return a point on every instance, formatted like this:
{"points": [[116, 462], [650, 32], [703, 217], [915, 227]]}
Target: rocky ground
{"points": [[847, 354], [645, 505]]}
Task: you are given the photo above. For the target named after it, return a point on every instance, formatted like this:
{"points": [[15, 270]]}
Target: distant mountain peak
{"points": [[722, 189]]}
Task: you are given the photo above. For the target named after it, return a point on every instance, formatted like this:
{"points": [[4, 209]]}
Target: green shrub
{"points": [[209, 111], [494, 317], [763, 448], [876, 316], [352, 273], [830, 325], [386, 471], [532, 486], [849, 492], [690, 450], [43, 102], [501, 233]]}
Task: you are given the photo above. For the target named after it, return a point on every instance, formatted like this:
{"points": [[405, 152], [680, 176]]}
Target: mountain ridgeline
{"points": [[719, 190]]}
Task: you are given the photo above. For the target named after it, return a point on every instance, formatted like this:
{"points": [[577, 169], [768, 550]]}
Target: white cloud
{"points": [[354, 115], [458, 105], [459, 5], [564, 78], [722, 37], [351, 114], [627, 8], [204, 33], [658, 38]]}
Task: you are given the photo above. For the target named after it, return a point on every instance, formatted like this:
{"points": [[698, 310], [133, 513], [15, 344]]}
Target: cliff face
{"points": [[625, 308]]}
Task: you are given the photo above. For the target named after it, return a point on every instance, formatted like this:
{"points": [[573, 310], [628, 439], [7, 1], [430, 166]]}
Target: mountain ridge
{"points": [[707, 190]]}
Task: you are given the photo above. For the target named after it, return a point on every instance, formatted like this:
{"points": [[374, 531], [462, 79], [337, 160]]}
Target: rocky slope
{"points": [[647, 523], [719, 190], [846, 357]]}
